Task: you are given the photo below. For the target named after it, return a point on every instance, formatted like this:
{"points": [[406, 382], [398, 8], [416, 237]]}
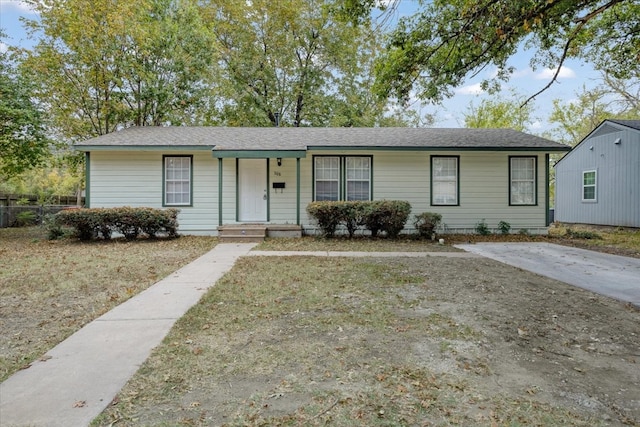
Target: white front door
{"points": [[252, 190]]}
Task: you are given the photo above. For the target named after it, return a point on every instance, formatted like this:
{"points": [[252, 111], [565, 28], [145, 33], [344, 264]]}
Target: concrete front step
{"points": [[256, 232], [242, 233]]}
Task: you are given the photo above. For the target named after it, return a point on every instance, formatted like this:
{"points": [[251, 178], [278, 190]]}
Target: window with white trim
{"points": [[522, 180], [177, 180], [445, 176], [589, 186], [342, 178]]}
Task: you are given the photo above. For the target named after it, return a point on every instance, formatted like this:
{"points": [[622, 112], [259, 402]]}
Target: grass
{"points": [[316, 341], [50, 289], [359, 243], [295, 340], [616, 240]]}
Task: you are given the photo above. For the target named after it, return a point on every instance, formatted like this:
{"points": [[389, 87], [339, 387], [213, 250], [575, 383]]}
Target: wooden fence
{"points": [[13, 208]]}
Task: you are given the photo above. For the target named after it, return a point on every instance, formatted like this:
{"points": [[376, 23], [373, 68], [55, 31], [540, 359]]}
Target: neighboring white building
{"points": [[598, 182], [220, 176]]}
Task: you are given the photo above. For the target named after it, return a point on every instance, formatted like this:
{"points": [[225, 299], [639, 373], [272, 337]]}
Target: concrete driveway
{"points": [[611, 275]]}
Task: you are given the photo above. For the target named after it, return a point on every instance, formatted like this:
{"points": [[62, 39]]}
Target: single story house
{"points": [[598, 182], [219, 176]]}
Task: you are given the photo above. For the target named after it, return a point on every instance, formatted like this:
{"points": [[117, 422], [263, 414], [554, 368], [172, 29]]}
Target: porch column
{"points": [[297, 190], [219, 191]]}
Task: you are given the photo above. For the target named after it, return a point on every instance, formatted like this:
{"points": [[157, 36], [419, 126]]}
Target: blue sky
{"points": [[573, 76]]}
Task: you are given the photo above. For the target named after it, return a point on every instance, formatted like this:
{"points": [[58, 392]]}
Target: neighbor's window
{"points": [[177, 180], [522, 177], [342, 178], [444, 180], [589, 186]]}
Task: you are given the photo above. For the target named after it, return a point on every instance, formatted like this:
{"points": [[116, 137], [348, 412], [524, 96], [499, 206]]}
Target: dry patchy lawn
{"points": [[390, 342], [50, 289]]}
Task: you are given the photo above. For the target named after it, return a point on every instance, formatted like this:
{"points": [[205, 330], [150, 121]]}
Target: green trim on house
{"points": [[268, 191], [163, 148], [259, 154], [547, 207], [342, 164], [219, 192], [164, 194], [237, 189], [87, 179], [535, 181], [297, 191], [457, 180], [427, 148]]}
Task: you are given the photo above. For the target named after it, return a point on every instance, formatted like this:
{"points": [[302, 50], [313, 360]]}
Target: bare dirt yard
{"points": [[390, 342]]}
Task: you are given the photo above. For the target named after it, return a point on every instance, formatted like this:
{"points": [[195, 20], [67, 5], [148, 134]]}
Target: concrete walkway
{"points": [[78, 378], [611, 275]]}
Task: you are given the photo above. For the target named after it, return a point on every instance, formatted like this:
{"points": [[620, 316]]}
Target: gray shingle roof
{"points": [[635, 124], [239, 138]]}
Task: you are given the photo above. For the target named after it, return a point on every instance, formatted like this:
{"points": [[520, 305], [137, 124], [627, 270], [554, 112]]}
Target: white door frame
{"points": [[253, 193]]}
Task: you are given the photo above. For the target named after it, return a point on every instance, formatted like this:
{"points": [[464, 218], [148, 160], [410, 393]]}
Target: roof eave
{"points": [[85, 148]]}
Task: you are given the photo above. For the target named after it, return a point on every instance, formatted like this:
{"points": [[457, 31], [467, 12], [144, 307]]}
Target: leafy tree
{"points": [[23, 139], [103, 65], [613, 98], [295, 62], [500, 112], [448, 40]]}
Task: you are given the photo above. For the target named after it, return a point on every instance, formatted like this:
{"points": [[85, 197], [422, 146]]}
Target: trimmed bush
{"points": [[326, 215], [426, 223], [388, 216], [130, 222]]}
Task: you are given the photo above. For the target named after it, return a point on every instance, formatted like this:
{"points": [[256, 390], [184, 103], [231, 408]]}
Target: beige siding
{"points": [[135, 179], [484, 187]]}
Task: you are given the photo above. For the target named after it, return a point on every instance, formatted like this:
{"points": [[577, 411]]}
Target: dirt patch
{"points": [[399, 341]]}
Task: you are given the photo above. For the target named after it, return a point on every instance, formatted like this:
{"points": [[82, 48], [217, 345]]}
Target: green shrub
{"points": [[504, 227], [130, 222], [26, 218], [388, 216], [53, 227], [327, 215], [353, 214], [482, 228], [426, 223]]}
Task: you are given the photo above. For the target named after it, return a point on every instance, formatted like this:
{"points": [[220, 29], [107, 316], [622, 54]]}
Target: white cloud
{"points": [[548, 73], [16, 5], [536, 125], [474, 89], [3, 47]]}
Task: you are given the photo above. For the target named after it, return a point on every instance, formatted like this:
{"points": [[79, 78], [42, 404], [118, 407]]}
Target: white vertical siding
{"points": [[618, 181]]}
